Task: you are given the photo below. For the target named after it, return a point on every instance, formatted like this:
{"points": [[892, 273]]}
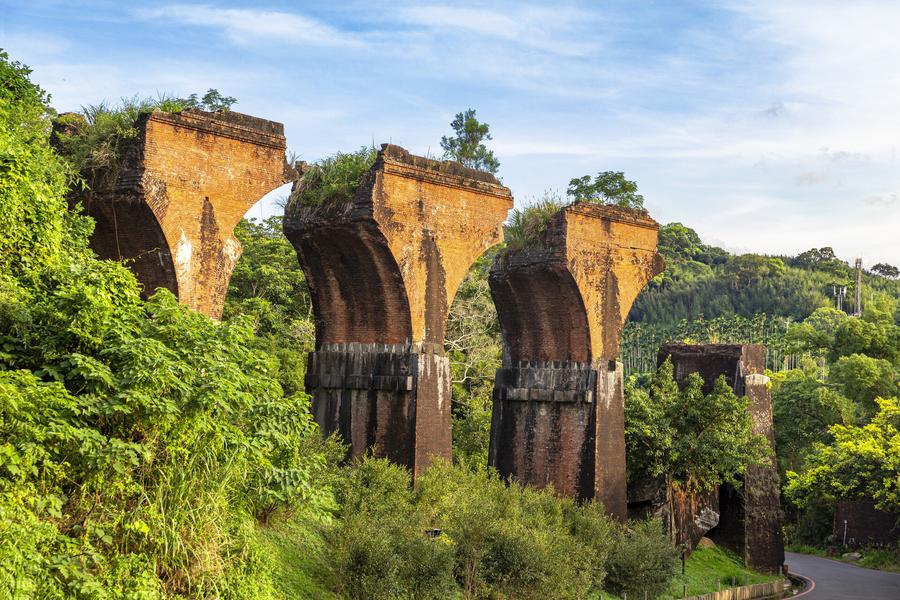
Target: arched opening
{"points": [[355, 284], [542, 315], [128, 230]]}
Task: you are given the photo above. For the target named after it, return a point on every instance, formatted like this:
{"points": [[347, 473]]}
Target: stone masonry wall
{"points": [[750, 519]]}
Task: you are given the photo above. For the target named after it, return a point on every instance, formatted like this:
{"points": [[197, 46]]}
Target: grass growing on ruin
{"points": [[333, 178], [93, 140], [527, 227]]}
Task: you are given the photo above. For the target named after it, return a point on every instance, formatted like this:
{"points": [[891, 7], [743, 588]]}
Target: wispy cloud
{"points": [[547, 29], [245, 26]]}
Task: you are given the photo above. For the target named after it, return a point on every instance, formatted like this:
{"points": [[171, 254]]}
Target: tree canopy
{"points": [[466, 145], [697, 440], [607, 187]]}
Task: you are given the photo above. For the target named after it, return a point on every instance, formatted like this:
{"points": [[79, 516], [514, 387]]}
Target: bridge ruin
{"points": [[749, 519], [180, 188], [558, 414], [382, 271]]}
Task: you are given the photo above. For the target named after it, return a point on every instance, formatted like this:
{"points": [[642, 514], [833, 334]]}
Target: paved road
{"points": [[839, 581]]}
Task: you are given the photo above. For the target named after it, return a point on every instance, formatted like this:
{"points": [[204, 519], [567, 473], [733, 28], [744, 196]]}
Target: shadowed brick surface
{"points": [[184, 183], [750, 519], [383, 270], [865, 523], [558, 408]]}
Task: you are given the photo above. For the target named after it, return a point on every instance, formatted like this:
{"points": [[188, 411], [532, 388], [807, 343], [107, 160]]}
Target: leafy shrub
{"points": [[696, 440], [492, 540], [378, 548], [641, 562], [334, 178]]}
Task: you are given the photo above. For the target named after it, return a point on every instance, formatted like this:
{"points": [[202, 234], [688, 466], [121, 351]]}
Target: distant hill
{"points": [[709, 282]]}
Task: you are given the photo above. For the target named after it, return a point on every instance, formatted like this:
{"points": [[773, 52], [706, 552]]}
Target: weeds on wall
{"points": [[93, 140], [334, 178]]}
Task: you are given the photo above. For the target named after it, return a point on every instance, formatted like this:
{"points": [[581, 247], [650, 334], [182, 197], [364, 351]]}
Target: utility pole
{"points": [[858, 307]]}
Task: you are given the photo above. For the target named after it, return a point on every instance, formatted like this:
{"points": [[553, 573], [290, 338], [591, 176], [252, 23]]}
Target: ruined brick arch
{"points": [[183, 183], [382, 269], [558, 415], [356, 286], [542, 316]]}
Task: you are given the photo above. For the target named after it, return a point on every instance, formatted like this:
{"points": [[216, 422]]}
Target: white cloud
{"points": [[245, 26]]}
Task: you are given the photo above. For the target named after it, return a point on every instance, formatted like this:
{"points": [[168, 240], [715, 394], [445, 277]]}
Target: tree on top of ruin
{"points": [[466, 146], [607, 187]]}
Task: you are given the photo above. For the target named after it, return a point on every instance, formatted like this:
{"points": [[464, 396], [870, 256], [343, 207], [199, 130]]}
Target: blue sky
{"points": [[768, 126]]}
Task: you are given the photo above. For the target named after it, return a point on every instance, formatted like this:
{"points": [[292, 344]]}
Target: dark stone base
{"points": [[387, 398], [562, 424]]}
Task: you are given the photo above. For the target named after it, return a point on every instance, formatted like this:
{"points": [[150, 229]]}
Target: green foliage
{"points": [[697, 440], [861, 462], [642, 562], [608, 187], [862, 378], [32, 180], [804, 408], [821, 259], [464, 531], [379, 547], [466, 146], [886, 270], [211, 101], [334, 178], [874, 339], [472, 343], [527, 227], [747, 269], [268, 288], [677, 242], [139, 442]]}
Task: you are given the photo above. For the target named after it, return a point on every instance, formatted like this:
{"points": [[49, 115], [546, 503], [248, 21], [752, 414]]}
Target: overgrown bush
{"points": [[464, 530], [378, 547], [641, 562], [334, 178]]}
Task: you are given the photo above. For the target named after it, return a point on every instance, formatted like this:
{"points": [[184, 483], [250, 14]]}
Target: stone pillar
{"points": [[181, 186], [558, 406], [750, 520], [382, 271]]}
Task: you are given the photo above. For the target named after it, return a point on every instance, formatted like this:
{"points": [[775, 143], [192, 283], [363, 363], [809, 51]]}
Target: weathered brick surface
{"points": [[558, 400], [750, 520], [185, 182], [865, 523], [383, 270]]}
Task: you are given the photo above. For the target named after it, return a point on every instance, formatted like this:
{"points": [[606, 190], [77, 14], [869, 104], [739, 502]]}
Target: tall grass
{"points": [[528, 226], [334, 178]]}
